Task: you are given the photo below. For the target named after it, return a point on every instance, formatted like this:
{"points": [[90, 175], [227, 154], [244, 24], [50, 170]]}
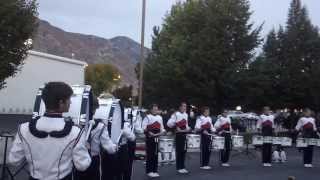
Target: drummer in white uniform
{"points": [[152, 125], [179, 121], [204, 126], [125, 153], [306, 125], [265, 124], [99, 138], [51, 143], [224, 129]]}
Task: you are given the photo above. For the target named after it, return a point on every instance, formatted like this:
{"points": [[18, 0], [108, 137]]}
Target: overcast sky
{"points": [[110, 18]]}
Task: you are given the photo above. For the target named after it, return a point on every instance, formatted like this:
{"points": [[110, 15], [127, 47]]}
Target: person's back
{"points": [[51, 144]]}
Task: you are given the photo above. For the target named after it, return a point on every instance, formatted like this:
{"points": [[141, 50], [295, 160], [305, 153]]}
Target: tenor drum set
{"points": [[305, 142], [260, 140]]}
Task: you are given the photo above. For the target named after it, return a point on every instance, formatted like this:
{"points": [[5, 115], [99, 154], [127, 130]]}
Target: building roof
{"points": [[57, 58]]}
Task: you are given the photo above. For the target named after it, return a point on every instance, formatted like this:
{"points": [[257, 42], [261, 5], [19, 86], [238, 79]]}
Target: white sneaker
{"points": [[183, 171], [267, 165], [156, 174], [151, 175], [206, 167], [225, 165], [308, 166]]}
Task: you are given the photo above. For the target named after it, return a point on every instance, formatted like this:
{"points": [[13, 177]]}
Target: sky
{"points": [[110, 18]]}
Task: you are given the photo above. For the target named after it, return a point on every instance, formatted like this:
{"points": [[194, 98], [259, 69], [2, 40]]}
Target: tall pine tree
{"points": [[294, 52]]}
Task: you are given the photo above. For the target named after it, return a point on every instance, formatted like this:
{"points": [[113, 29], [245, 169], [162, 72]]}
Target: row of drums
{"points": [[166, 144], [285, 141]]}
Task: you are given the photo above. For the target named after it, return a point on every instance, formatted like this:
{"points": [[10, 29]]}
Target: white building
{"points": [[19, 94]]}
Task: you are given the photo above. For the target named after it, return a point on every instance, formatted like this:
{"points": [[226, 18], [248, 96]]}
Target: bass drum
{"points": [[112, 114], [80, 107]]}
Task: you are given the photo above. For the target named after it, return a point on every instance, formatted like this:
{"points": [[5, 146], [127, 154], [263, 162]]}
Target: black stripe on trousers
{"points": [[266, 153], [205, 150], [225, 153], [181, 150], [308, 155], [152, 155]]}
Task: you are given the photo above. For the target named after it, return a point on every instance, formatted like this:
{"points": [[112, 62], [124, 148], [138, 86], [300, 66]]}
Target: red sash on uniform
{"points": [[308, 125], [225, 126], [267, 123], [154, 127], [206, 126], [182, 124]]}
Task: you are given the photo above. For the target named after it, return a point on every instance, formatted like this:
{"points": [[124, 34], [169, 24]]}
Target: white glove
{"points": [[92, 122], [113, 149]]}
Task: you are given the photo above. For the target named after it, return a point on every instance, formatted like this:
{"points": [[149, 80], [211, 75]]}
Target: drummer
{"points": [[224, 129], [179, 121], [99, 138], [204, 126], [126, 152], [152, 125], [306, 125], [265, 124], [40, 141]]}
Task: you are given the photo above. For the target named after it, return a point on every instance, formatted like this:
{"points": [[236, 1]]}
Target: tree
{"points": [[17, 25], [102, 77], [294, 54], [200, 48]]}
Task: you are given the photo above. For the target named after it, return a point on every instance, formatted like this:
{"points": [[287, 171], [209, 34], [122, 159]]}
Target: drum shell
{"points": [[166, 145], [302, 142], [312, 142], [277, 140], [218, 142], [286, 141], [237, 141], [257, 140], [193, 141], [267, 139]]}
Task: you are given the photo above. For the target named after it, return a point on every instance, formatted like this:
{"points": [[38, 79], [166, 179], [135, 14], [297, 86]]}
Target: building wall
{"points": [[20, 92]]}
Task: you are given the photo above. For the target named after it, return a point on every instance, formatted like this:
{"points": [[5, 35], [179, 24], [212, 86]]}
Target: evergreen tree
{"points": [[295, 55]]}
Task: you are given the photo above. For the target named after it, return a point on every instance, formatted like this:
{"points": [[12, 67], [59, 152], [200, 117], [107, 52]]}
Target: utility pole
{"points": [[142, 53]]}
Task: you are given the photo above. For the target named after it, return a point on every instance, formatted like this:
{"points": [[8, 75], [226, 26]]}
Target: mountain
{"points": [[122, 52]]}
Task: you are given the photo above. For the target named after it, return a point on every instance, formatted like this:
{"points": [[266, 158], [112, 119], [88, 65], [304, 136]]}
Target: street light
{"points": [[142, 52]]}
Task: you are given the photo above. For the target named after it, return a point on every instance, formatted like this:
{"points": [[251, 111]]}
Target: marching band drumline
{"points": [[88, 150]]}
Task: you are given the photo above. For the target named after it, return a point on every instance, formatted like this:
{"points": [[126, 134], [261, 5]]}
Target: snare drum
{"points": [[237, 141], [257, 140], [312, 142], [286, 141], [267, 139], [277, 140], [193, 141], [218, 142], [302, 142], [166, 144], [318, 142]]}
